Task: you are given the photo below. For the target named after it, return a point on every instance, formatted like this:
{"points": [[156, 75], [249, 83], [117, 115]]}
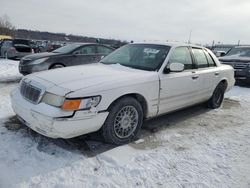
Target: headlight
{"points": [[52, 99], [81, 104], [38, 61]]}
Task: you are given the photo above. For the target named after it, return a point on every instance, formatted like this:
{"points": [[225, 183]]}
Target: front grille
{"points": [[240, 65], [30, 92]]}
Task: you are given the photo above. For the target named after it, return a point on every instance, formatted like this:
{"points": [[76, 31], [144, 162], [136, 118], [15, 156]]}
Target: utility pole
{"points": [[189, 38], [238, 42]]}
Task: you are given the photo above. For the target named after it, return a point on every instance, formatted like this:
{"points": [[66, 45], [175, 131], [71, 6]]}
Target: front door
{"points": [[179, 89], [85, 55]]}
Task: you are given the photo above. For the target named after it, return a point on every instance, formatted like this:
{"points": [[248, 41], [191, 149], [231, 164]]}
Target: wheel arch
{"points": [[53, 64], [141, 99], [224, 82]]}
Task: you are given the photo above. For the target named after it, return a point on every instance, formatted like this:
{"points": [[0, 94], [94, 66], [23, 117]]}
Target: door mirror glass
{"points": [[176, 67]]}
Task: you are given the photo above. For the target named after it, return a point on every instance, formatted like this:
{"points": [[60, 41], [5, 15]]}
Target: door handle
{"points": [[216, 73], [195, 77]]}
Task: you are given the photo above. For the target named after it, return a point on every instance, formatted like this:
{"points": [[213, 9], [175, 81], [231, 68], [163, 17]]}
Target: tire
{"points": [[56, 66], [123, 122], [217, 98]]}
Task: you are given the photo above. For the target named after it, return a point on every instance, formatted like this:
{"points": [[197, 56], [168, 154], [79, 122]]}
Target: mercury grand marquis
{"points": [[134, 83]]}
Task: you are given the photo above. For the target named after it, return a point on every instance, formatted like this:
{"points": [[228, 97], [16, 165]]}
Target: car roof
{"points": [[242, 47], [172, 44], [89, 43]]}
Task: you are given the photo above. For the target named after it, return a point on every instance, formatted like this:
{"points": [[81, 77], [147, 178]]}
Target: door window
{"points": [[210, 60], [103, 50], [200, 58], [181, 55], [86, 50]]}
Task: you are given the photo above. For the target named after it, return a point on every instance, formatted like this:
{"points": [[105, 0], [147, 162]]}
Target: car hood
{"points": [[93, 77], [40, 55], [234, 58]]}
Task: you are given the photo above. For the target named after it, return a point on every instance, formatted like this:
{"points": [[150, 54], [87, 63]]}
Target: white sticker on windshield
{"points": [[151, 50]]}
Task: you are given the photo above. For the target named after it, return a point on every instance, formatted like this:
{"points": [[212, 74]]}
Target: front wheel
{"points": [[217, 98], [123, 122]]}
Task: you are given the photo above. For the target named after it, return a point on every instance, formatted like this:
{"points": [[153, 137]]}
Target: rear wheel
{"points": [[217, 98], [123, 122], [56, 66]]}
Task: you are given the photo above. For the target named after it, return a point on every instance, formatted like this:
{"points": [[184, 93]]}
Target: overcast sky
{"points": [[226, 21]]}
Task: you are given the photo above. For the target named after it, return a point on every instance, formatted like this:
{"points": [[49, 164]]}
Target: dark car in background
{"points": [[15, 48], [221, 49], [69, 55], [239, 58]]}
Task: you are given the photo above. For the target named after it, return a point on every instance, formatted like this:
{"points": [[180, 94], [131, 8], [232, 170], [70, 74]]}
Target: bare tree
{"points": [[6, 27]]}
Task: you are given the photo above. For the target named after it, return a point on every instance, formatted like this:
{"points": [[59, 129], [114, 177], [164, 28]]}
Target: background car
{"points": [[69, 55], [221, 49], [16, 48], [239, 58]]}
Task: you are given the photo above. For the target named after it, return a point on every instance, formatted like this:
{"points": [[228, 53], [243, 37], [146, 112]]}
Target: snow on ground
{"points": [[196, 147]]}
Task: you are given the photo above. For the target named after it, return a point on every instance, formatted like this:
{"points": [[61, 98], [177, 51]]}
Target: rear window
{"points": [[200, 58]]}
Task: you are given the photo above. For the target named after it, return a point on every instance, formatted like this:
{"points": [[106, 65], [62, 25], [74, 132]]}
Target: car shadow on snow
{"points": [[92, 144]]}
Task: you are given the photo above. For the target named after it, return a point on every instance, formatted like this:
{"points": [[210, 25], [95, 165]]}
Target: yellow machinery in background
{"points": [[5, 37]]}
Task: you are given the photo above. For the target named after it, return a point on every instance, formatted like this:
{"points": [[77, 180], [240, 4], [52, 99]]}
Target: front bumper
{"points": [[242, 74], [46, 119], [28, 69]]}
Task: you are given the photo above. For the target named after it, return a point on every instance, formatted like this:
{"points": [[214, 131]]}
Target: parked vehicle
{"points": [[221, 49], [2, 39], [69, 55], [134, 83], [16, 48], [239, 58]]}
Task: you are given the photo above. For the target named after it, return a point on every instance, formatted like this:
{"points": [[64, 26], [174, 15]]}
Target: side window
{"points": [[103, 50], [86, 50], [210, 60], [181, 55], [200, 58]]}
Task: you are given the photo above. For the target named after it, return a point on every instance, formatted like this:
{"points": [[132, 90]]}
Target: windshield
{"points": [[241, 52], [140, 56], [67, 49]]}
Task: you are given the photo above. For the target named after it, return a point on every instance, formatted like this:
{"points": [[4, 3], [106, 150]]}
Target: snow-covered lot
{"points": [[195, 147]]}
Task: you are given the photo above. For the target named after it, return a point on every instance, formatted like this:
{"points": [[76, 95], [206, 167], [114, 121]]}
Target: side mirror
{"points": [[220, 53], [102, 56], [176, 67]]}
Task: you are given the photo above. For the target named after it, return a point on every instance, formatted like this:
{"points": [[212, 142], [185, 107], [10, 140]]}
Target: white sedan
{"points": [[134, 83]]}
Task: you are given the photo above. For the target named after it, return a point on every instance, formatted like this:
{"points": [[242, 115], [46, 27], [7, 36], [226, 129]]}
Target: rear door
{"points": [[207, 71], [179, 89]]}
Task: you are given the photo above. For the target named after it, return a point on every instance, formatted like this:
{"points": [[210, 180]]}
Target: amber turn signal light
{"points": [[71, 105]]}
